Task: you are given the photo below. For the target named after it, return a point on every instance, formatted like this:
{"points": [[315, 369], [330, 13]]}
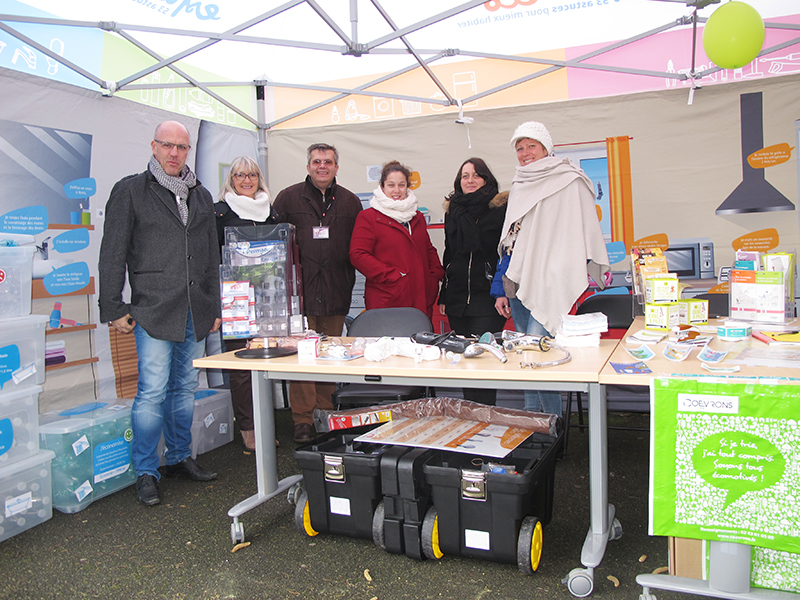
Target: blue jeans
{"points": [[164, 399], [548, 402]]}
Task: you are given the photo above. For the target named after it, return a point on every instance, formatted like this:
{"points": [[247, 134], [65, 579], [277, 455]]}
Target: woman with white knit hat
{"points": [[553, 240]]}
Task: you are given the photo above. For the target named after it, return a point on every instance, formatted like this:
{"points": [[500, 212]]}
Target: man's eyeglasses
{"points": [[168, 146], [243, 176], [319, 162]]}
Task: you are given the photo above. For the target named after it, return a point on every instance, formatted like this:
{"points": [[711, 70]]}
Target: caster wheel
{"points": [[430, 535], [237, 532], [302, 517], [377, 526], [293, 492], [529, 545], [580, 582], [616, 530]]}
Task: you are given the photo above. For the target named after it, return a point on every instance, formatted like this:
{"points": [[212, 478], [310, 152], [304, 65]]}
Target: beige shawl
{"points": [[559, 241]]}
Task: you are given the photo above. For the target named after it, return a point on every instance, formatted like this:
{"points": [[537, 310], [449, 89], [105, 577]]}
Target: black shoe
{"points": [[147, 490], [188, 467]]}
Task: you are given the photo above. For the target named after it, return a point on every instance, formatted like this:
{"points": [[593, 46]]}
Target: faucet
{"points": [[44, 251]]}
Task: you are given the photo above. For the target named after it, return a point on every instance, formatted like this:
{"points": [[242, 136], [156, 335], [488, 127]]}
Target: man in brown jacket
{"points": [[323, 214]]}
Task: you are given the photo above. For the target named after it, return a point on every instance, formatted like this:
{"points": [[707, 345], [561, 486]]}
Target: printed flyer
{"points": [[725, 461]]}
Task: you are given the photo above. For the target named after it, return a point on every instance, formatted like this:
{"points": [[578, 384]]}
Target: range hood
{"points": [[754, 193]]}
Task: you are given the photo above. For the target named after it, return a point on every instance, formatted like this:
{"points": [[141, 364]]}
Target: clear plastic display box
{"points": [[21, 352], [19, 425], [25, 490], [16, 274], [260, 281], [92, 446]]}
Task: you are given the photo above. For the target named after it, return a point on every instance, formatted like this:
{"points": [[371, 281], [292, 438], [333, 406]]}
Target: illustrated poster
{"points": [[725, 461]]}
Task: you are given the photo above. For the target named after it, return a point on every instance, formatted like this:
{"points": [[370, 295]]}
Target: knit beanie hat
{"points": [[535, 131]]}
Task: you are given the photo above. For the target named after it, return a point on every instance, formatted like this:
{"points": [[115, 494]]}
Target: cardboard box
{"points": [[693, 312], [662, 317], [769, 569], [661, 289]]}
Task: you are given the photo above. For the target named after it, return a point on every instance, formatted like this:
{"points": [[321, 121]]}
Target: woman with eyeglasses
{"points": [[473, 222], [244, 200]]}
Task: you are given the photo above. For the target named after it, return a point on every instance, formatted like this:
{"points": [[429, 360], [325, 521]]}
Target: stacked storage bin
{"points": [[25, 488], [212, 425], [92, 445]]}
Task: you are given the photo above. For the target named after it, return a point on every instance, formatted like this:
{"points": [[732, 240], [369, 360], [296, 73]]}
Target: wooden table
{"points": [[581, 374]]}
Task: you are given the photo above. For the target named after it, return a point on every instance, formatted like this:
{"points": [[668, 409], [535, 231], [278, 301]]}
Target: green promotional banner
{"points": [[725, 461]]}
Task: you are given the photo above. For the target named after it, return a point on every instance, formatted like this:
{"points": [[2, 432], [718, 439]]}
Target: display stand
{"points": [[728, 577]]}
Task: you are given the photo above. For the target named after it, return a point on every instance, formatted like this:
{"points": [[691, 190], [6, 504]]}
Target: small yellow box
{"points": [[661, 288], [694, 312], [662, 317]]}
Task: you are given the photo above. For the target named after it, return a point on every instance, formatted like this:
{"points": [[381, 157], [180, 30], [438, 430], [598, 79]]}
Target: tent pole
{"points": [[263, 146]]}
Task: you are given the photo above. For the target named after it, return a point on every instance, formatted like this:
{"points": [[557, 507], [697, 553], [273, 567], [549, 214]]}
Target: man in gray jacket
{"points": [[160, 229]]}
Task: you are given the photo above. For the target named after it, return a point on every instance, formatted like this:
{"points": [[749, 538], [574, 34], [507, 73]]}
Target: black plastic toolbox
{"points": [[492, 513], [342, 482]]}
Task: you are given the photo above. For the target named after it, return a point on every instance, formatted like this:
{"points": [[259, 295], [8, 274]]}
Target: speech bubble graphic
{"points": [[71, 241], [738, 462]]}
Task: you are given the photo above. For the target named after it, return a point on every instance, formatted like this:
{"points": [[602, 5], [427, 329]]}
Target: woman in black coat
{"points": [[244, 200], [474, 214]]}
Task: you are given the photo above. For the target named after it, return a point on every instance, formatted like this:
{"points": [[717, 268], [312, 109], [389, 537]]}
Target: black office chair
{"points": [[718, 304], [379, 322], [618, 308]]}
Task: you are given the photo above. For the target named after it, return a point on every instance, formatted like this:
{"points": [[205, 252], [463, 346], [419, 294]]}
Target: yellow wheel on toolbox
{"points": [[430, 535], [529, 545], [302, 516]]}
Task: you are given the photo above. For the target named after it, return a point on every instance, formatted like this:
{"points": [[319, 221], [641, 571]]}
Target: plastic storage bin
{"points": [[16, 273], [26, 494], [19, 425], [342, 481], [21, 352], [212, 425], [92, 446], [492, 512]]}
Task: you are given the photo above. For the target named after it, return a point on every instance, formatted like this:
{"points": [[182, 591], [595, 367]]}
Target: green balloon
{"points": [[733, 35]]}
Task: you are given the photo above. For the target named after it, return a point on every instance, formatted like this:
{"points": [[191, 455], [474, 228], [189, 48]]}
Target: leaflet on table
{"points": [[448, 433], [768, 356], [644, 336], [778, 338], [643, 353], [712, 356], [677, 352], [637, 368]]}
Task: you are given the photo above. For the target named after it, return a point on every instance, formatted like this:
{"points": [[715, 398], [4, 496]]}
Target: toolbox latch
{"points": [[473, 485], [334, 469]]}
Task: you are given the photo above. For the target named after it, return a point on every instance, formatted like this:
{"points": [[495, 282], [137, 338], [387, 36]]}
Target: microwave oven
{"points": [[691, 258]]}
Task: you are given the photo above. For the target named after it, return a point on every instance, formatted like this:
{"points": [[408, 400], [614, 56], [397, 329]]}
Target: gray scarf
{"points": [[177, 185]]}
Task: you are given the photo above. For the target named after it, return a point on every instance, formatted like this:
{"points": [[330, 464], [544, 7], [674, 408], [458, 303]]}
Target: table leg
{"points": [[266, 455], [603, 526]]}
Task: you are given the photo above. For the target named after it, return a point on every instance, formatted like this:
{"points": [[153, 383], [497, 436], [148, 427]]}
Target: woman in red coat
{"points": [[391, 247]]}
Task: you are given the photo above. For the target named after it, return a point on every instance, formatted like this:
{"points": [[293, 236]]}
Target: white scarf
{"points": [[250, 209], [559, 234], [399, 210]]}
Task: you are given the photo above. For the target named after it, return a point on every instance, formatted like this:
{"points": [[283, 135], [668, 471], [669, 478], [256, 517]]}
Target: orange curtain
{"points": [[621, 198]]}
